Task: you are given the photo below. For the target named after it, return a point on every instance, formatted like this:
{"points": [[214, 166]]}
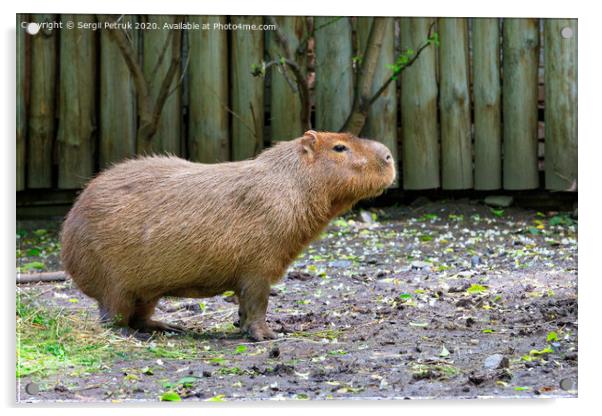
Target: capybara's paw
{"points": [[260, 331], [157, 326]]}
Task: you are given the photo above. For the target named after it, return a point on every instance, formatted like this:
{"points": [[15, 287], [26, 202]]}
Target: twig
{"points": [[41, 277], [301, 82]]}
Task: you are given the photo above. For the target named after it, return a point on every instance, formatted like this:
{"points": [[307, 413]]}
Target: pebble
{"points": [[499, 201], [421, 265], [496, 361], [340, 264], [366, 217], [475, 261]]}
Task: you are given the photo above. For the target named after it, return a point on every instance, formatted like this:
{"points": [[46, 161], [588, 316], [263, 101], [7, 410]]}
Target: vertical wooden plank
{"points": [[117, 101], [247, 90], [519, 91], [419, 109], [285, 102], [334, 72], [560, 103], [77, 103], [487, 103], [381, 123], [456, 144], [208, 131], [157, 53], [41, 125], [21, 109]]}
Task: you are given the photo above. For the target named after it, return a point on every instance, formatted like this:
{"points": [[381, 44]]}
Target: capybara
{"points": [[163, 226]]}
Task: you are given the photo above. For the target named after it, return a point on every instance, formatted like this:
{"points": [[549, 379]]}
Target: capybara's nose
{"points": [[383, 153]]}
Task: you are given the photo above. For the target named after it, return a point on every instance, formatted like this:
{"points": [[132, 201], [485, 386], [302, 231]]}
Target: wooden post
{"points": [[334, 72], [520, 60], [41, 123], [247, 90], [560, 104], [285, 102], [419, 109], [156, 59], [487, 103], [21, 102], [208, 130], [77, 103], [456, 144], [381, 123], [117, 101]]}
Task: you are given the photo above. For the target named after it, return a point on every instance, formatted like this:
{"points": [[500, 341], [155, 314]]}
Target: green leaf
{"points": [[147, 370], [240, 349], [552, 336], [444, 352], [228, 293], [218, 398], [34, 265], [187, 381], [170, 396], [33, 252], [476, 288], [497, 212], [546, 350], [521, 388], [405, 296], [488, 331], [41, 232]]}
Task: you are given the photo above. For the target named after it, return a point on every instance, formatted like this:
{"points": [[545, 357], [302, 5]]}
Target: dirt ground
{"points": [[448, 299]]}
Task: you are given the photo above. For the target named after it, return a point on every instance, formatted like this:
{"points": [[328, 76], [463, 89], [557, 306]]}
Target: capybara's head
{"points": [[351, 168]]}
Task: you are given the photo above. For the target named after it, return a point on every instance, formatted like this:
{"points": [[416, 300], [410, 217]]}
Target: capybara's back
{"points": [[162, 226]]}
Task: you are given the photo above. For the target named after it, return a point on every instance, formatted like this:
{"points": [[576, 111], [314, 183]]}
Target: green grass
{"points": [[51, 340]]}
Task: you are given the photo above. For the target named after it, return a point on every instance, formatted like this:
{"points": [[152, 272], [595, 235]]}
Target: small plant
{"points": [[476, 289]]}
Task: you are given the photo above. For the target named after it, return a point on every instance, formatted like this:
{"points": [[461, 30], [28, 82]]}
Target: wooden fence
{"points": [[493, 106]]}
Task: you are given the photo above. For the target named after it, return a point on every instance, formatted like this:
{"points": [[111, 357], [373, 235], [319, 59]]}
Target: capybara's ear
{"points": [[309, 140]]}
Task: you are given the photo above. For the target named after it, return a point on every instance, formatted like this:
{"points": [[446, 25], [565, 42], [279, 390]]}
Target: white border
{"points": [[590, 153]]}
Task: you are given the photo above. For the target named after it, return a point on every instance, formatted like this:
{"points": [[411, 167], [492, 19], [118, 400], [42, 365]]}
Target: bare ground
{"points": [[435, 300]]}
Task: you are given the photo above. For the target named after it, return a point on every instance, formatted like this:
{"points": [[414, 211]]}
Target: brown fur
{"points": [[163, 226]]}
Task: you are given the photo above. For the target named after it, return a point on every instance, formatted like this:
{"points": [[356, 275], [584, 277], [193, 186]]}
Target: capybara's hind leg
{"points": [[104, 314], [141, 318], [116, 309], [253, 297]]}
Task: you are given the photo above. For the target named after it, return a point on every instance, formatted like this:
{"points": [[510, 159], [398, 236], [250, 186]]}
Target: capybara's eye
{"points": [[339, 148]]}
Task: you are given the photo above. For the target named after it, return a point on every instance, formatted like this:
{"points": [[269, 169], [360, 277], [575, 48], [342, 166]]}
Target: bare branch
{"points": [[129, 55], [361, 102], [174, 65], [300, 78], [414, 58]]}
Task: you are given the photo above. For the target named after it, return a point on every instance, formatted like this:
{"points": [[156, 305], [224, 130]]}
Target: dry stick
{"points": [[41, 277]]}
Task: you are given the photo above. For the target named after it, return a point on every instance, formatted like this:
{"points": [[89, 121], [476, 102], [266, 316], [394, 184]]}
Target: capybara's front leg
{"points": [[253, 298]]}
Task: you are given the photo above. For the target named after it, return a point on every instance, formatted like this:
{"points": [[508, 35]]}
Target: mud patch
{"points": [[416, 303]]}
